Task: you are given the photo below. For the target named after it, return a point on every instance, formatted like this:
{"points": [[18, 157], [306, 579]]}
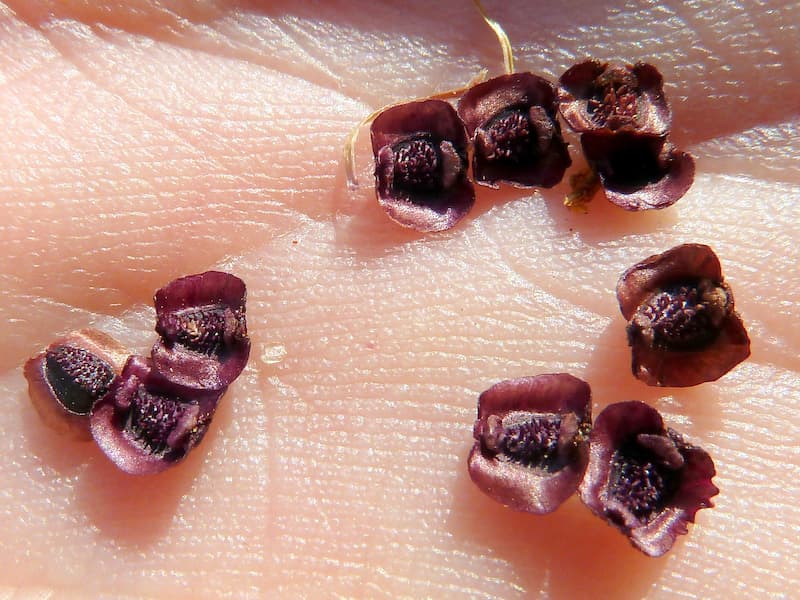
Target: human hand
{"points": [[145, 141]]}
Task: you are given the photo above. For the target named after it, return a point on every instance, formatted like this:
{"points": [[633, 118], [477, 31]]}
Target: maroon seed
{"points": [[640, 480], [682, 316], [146, 423], [682, 326], [638, 172], [512, 122], [417, 167], [644, 478], [531, 441], [508, 137], [67, 378], [614, 101], [203, 330], [420, 151]]}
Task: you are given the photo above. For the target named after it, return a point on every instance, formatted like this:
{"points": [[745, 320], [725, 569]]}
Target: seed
{"points": [[517, 140], [531, 441], [420, 151], [202, 326], [146, 423], [684, 316], [417, 166], [682, 325], [600, 97], [77, 377], [644, 478]]}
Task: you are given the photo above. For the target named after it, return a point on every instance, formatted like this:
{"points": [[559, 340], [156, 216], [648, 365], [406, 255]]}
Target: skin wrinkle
{"points": [[175, 213], [216, 43], [159, 121], [75, 60], [315, 490], [686, 47]]}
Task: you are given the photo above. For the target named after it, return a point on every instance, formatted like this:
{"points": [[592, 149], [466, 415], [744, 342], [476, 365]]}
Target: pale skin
{"points": [[143, 141]]}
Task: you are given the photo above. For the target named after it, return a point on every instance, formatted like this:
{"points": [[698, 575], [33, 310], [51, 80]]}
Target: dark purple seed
{"points": [[516, 136], [146, 423], [509, 137], [644, 478], [420, 151], [638, 172], [597, 97], [207, 330], [201, 321], [160, 422], [66, 379], [639, 481], [531, 441], [682, 326], [624, 120]]}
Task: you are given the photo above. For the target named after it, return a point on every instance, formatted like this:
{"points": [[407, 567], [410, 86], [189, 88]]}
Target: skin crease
{"points": [[145, 141]]}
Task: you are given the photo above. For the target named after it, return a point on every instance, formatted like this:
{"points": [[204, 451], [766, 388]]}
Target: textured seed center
{"points": [[615, 100], [153, 418], [640, 482], [206, 330], [508, 137], [77, 376], [684, 316], [528, 439], [417, 166]]}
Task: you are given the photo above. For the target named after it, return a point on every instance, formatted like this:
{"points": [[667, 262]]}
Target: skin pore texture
{"points": [[145, 140]]}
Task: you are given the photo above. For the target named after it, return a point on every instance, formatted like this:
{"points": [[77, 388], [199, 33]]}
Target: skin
{"points": [[143, 141]]}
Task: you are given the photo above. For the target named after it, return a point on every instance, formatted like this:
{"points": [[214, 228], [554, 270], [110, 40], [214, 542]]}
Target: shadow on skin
{"points": [[363, 226], [134, 510], [604, 221], [567, 555], [58, 452], [609, 373], [131, 509], [608, 370], [360, 224]]}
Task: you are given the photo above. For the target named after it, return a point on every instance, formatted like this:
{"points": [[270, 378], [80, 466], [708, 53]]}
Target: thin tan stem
{"points": [[505, 44]]}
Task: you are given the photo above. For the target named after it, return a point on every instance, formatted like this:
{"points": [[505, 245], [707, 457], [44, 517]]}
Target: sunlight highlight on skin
{"points": [[145, 141]]}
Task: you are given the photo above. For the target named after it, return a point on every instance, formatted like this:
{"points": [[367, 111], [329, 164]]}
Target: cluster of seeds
{"points": [[534, 443], [623, 118], [628, 469], [511, 125], [147, 413]]}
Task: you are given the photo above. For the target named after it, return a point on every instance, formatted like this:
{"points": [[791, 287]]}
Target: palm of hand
{"points": [[143, 144]]}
